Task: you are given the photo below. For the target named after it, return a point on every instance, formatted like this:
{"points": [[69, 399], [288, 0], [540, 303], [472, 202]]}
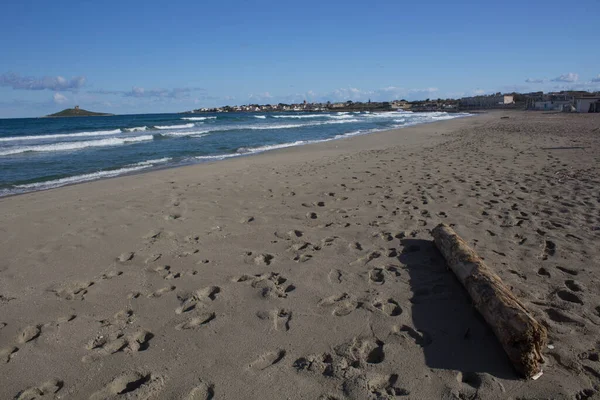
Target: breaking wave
{"points": [[75, 145]]}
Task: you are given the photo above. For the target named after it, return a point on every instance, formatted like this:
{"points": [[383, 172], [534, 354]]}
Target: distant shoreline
{"points": [[76, 112]]}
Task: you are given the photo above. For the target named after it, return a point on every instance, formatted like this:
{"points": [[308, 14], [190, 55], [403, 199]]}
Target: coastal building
{"points": [[581, 102], [552, 105], [399, 104], [587, 104], [491, 101]]}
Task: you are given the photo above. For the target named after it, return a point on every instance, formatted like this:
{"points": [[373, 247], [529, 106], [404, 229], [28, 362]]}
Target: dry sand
{"points": [[309, 273]]}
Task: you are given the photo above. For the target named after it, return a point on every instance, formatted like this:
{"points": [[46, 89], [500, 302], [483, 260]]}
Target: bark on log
{"points": [[521, 336]]}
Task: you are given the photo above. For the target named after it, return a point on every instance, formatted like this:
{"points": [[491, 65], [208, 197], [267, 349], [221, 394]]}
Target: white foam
{"points": [[260, 116], [388, 114], [135, 129], [80, 178], [340, 121], [263, 127], [217, 157], [342, 116], [253, 150], [60, 135], [76, 145], [198, 118], [291, 126], [302, 116], [174, 126], [259, 149], [151, 162], [185, 133]]}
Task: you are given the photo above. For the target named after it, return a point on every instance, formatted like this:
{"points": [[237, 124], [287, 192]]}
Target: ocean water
{"points": [[43, 153]]}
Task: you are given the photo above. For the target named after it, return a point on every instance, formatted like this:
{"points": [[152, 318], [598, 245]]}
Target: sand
{"points": [[309, 272]]}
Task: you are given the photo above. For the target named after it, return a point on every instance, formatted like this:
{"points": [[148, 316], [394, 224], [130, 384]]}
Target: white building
{"points": [[508, 99], [587, 104], [551, 105]]}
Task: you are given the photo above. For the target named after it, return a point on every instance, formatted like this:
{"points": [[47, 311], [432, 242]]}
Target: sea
{"points": [[44, 153]]}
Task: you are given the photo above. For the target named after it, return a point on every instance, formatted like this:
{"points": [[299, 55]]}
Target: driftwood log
{"points": [[521, 336]]}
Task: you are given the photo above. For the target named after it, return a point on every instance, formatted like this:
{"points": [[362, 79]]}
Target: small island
{"points": [[77, 112]]}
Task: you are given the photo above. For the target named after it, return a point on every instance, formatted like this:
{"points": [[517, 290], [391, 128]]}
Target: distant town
{"points": [[565, 101]]}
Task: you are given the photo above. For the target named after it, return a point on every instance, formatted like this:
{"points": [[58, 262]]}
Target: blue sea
{"points": [[43, 153]]}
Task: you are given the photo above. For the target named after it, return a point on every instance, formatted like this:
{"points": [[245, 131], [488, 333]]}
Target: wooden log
{"points": [[521, 336]]}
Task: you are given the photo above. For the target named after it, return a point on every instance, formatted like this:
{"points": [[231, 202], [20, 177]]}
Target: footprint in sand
{"points": [[74, 290], [263, 259], [372, 255], [161, 292], [377, 276], [268, 359], [281, 319], [105, 345], [574, 285], [335, 276], [153, 258], [172, 217], [342, 304], [302, 257], [126, 257], [361, 351], [120, 319], [568, 270], [165, 272], [133, 384], [29, 333], [355, 246], [111, 274], [548, 250], [543, 272], [197, 322], [204, 391], [46, 389], [271, 284], [421, 338], [569, 296], [153, 235], [199, 298], [389, 307], [7, 353], [316, 363], [562, 317], [311, 215], [385, 387]]}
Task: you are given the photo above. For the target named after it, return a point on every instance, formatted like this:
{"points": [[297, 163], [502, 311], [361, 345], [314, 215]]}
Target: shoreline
{"points": [[190, 162]]}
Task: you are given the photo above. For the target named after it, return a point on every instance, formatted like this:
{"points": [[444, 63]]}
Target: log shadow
{"points": [[453, 335]]}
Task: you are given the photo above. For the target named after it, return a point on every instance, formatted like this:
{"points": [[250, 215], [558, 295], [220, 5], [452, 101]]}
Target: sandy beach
{"points": [[310, 272]]}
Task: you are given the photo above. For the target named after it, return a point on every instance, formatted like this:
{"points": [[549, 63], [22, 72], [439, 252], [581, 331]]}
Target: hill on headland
{"points": [[77, 112]]}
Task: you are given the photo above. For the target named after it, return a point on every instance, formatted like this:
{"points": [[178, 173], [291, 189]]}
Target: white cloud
{"points": [[260, 97], [596, 79], [570, 77], [140, 92], [59, 98], [536, 80], [56, 83]]}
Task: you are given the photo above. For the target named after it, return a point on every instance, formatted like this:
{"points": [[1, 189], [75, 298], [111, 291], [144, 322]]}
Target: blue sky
{"points": [[135, 57]]}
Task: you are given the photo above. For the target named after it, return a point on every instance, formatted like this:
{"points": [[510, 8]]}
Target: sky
{"points": [[137, 57]]}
